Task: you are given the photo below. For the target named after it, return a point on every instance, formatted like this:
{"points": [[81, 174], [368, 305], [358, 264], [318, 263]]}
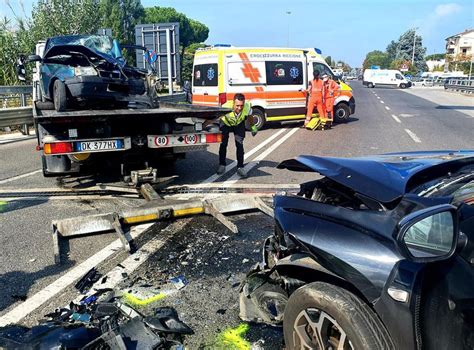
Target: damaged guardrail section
{"points": [[155, 210]]}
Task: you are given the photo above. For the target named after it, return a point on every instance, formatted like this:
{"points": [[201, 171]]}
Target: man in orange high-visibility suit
{"points": [[330, 92], [315, 90]]}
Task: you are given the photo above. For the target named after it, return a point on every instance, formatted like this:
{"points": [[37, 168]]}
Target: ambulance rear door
{"points": [[205, 79], [246, 76]]}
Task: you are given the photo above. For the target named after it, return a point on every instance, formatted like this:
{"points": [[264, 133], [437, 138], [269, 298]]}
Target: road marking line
{"points": [[19, 176], [378, 97], [382, 102], [232, 165], [387, 108], [396, 118], [41, 297], [413, 136], [262, 156]]}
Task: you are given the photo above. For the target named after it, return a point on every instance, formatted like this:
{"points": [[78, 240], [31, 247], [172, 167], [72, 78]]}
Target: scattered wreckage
{"points": [[105, 324], [377, 254]]}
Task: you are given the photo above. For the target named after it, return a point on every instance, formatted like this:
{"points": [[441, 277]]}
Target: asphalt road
{"points": [[386, 120]]}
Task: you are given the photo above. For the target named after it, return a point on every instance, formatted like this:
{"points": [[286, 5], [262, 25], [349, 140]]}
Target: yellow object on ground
{"points": [[132, 300], [3, 206], [313, 124], [232, 338]]}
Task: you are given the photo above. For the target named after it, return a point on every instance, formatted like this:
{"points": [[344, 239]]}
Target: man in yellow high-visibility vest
{"points": [[234, 121]]}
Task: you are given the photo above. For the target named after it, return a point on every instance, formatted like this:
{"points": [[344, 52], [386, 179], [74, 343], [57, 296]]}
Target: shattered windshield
{"points": [[98, 43]]}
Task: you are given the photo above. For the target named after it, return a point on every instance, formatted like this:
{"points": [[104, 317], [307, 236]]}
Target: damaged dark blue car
{"points": [[376, 254]]}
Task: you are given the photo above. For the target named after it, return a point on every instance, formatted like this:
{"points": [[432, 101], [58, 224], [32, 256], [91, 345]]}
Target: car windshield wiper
{"points": [[439, 186]]}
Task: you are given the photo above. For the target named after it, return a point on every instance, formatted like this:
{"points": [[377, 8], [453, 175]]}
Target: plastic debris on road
{"points": [[233, 338]]}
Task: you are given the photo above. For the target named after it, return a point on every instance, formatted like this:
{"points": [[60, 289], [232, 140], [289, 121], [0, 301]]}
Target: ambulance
{"points": [[274, 80]]}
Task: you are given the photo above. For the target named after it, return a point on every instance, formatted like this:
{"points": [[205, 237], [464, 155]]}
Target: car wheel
{"points": [[403, 86], [59, 92], [342, 113], [370, 85], [259, 118], [322, 316]]}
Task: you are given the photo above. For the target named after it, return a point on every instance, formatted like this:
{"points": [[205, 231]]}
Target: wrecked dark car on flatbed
{"points": [[377, 254], [79, 70]]}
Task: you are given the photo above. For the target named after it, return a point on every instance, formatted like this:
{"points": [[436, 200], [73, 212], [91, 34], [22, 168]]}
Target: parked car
{"points": [[378, 254], [78, 70]]}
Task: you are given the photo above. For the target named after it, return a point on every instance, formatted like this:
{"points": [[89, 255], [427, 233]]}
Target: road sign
{"points": [[404, 68]]}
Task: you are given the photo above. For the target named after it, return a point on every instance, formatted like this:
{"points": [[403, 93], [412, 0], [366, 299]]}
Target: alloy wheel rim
{"points": [[315, 329]]}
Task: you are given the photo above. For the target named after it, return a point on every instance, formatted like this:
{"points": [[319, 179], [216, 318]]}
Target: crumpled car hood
{"points": [[380, 177], [58, 50]]}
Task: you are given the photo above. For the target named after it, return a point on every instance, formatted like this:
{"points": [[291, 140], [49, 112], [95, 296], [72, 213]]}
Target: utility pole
{"points": [[414, 43], [288, 37]]}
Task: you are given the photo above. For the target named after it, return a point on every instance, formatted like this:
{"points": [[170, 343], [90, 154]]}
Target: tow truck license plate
{"points": [[85, 146]]}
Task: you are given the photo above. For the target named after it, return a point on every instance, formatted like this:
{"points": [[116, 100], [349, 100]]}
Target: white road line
{"points": [[262, 156], [232, 165], [38, 299], [387, 108], [19, 176], [396, 118], [413, 136], [378, 97], [382, 102]]}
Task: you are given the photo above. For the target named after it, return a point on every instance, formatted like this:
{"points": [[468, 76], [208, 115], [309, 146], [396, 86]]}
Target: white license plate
{"points": [[91, 146]]}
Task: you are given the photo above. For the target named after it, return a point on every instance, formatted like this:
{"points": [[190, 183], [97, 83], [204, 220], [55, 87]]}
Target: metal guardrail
{"points": [[461, 85], [16, 116]]}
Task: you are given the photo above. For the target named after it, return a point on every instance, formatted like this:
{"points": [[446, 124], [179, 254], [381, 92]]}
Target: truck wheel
{"points": [[342, 113], [403, 86], [259, 118], [320, 316], [59, 92], [370, 85]]}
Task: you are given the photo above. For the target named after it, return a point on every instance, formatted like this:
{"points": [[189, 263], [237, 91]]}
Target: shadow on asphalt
{"points": [[16, 284], [467, 108]]}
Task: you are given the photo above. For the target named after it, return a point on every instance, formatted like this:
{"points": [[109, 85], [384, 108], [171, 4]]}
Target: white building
{"points": [[432, 64], [460, 46]]}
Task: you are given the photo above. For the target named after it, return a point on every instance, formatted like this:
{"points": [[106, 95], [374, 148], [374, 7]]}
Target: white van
{"points": [[274, 80], [385, 77]]}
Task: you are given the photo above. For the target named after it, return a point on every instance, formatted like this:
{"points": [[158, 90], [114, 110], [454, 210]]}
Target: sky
{"points": [[345, 30]]}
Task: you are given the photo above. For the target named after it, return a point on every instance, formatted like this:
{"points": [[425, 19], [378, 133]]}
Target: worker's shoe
{"points": [[221, 170], [242, 172]]}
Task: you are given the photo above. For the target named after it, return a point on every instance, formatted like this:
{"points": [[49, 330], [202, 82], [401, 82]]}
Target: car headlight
{"points": [[84, 71]]}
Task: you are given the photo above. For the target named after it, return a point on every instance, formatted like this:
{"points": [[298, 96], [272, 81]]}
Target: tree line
{"points": [[400, 53], [64, 17]]}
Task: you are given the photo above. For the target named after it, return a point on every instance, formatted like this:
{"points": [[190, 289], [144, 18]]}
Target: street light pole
{"points": [[414, 43], [288, 37]]}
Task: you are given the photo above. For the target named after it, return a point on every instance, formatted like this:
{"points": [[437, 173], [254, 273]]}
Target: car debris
{"points": [[100, 324], [382, 240], [86, 282]]}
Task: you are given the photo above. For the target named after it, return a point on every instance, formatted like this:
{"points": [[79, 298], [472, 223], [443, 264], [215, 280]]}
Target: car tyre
{"points": [[59, 92], [403, 86], [341, 113], [370, 85], [320, 314], [259, 118]]}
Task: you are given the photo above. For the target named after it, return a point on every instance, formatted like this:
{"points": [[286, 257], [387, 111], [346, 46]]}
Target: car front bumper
{"points": [[98, 88]]}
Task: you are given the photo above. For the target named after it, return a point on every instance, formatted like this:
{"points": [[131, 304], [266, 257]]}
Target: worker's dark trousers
{"points": [[239, 135]]}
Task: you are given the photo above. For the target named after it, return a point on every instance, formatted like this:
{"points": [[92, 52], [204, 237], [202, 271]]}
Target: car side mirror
{"points": [[20, 68], [34, 58], [430, 234]]}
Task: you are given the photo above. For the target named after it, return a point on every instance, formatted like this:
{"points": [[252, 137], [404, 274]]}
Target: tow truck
{"points": [[89, 105]]}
